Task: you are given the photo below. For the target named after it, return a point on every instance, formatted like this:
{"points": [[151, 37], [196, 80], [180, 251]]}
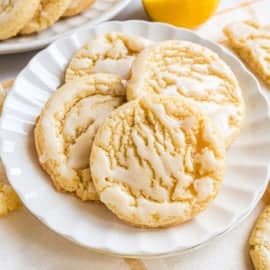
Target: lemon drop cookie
{"points": [[194, 72], [252, 43], [78, 6], [67, 125], [9, 200], [111, 53], [48, 12], [260, 241], [157, 161], [14, 14]]}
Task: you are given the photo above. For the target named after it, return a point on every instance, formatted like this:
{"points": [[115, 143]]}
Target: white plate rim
{"points": [[174, 252], [41, 43]]}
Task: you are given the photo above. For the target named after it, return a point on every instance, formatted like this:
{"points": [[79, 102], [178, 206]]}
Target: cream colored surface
{"points": [[111, 53], [252, 43], [157, 161], [14, 14], [260, 241], [78, 6], [48, 12], [189, 70], [67, 126]]}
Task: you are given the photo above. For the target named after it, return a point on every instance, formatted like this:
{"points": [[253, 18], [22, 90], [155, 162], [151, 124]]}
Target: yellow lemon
{"points": [[185, 13]]}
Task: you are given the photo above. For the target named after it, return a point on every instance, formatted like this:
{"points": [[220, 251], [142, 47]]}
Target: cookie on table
{"points": [[78, 6], [9, 201], [111, 53], [14, 15], [259, 241], [194, 72], [48, 12], [157, 161], [67, 125], [252, 43]]}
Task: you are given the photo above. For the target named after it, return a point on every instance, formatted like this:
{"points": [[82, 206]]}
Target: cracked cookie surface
{"points": [[111, 53], [78, 6], [194, 72], [47, 13], [259, 241], [252, 43], [66, 128], [14, 14], [157, 161]]}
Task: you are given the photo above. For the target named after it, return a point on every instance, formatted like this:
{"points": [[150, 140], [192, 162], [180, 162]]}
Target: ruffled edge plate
{"points": [[93, 226]]}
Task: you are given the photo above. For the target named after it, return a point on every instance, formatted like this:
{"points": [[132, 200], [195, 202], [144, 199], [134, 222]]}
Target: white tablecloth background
{"points": [[26, 244]]}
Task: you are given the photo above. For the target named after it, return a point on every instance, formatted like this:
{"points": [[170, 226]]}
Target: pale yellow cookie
{"points": [[157, 161], [48, 12], [110, 53], [9, 201], [78, 6], [14, 14], [252, 43], [260, 241], [194, 72], [66, 128]]}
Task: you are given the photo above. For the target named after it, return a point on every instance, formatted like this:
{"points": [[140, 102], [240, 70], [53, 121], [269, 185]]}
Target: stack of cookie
{"points": [[32, 16], [141, 126]]}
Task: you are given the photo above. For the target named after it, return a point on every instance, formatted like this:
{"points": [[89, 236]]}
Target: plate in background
{"points": [[100, 11]]}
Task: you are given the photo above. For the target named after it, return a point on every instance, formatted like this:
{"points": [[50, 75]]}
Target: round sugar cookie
{"points": [[67, 125], [48, 12], [78, 6], [194, 72], [14, 14], [259, 242], [157, 161], [111, 53]]}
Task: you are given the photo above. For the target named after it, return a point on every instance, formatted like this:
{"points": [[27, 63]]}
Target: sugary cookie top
{"points": [[261, 232], [68, 124], [74, 3], [78, 6], [112, 53], [254, 38], [6, 6], [14, 15], [247, 32], [48, 12], [157, 161], [189, 70], [260, 241]]}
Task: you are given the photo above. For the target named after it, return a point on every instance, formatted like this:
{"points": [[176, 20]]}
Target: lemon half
{"points": [[185, 13]]}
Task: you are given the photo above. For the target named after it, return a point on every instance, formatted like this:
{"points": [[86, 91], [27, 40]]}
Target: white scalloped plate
{"points": [[102, 10], [90, 224]]}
